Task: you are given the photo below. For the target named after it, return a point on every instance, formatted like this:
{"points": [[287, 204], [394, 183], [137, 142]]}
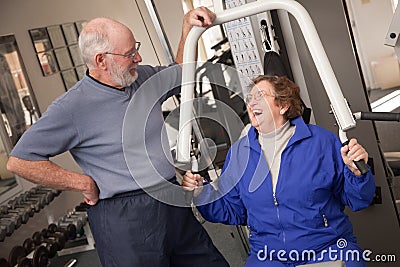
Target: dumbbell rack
{"points": [[60, 207], [81, 243]]}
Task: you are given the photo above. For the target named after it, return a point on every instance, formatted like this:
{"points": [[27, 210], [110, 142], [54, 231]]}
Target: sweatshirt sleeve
{"points": [[223, 205], [53, 134], [356, 192], [161, 82]]}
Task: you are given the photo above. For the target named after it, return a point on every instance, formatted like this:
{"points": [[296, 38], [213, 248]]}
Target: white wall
{"points": [[18, 16], [171, 13], [371, 20]]}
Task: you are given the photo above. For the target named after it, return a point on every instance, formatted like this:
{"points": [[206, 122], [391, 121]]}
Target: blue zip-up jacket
{"points": [[307, 210]]}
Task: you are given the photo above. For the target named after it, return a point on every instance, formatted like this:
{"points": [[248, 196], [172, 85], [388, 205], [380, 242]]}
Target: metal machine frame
{"points": [[339, 104]]}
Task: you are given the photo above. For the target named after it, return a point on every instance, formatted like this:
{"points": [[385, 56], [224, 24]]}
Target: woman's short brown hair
{"points": [[286, 93]]}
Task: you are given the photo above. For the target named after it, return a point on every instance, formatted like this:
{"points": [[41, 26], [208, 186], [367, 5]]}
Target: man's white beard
{"points": [[122, 77]]}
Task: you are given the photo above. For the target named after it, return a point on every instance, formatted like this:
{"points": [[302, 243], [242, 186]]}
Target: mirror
{"points": [[18, 109], [44, 51]]}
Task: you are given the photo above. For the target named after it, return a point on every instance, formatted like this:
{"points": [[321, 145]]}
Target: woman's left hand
{"points": [[353, 151]]}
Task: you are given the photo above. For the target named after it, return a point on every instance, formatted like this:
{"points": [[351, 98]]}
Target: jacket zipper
{"points": [[275, 200], [325, 220], [279, 218]]}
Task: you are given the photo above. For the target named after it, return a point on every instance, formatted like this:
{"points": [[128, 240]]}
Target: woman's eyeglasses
{"points": [[256, 96]]}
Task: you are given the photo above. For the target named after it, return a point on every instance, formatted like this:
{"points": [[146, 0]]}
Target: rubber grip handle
{"points": [[380, 116], [360, 164], [189, 196]]}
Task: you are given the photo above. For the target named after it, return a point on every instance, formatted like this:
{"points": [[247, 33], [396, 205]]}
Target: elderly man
{"points": [[130, 227]]}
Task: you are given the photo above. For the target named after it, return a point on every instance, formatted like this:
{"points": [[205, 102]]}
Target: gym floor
{"points": [[226, 238]]}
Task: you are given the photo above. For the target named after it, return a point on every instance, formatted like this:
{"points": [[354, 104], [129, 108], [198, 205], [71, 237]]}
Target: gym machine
{"points": [[339, 105]]}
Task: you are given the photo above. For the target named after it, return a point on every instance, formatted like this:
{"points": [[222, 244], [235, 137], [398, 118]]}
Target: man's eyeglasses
{"points": [[130, 56]]}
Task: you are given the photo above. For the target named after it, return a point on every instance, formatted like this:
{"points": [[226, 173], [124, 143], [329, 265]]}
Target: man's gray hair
{"points": [[92, 41]]}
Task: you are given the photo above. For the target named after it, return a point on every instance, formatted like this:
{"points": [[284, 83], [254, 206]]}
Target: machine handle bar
{"points": [[377, 116], [360, 164]]}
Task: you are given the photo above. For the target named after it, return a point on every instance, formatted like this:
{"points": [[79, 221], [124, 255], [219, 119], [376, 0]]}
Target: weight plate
{"points": [[16, 253], [52, 228], [29, 245], [40, 257], [37, 238], [72, 231]]}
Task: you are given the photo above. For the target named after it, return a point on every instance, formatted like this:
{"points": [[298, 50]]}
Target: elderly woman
{"points": [[289, 182]]}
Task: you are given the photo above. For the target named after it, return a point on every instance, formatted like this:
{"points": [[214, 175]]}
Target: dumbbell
{"points": [[26, 209], [3, 235], [47, 189], [74, 228], [20, 212], [8, 226], [13, 205], [59, 237], [64, 221], [19, 203], [48, 192], [29, 245], [82, 207], [46, 237], [17, 219], [26, 197], [68, 231], [78, 214], [49, 195], [3, 209], [37, 258], [16, 253]]}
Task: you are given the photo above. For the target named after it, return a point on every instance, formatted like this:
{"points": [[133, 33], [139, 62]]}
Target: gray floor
{"points": [[83, 259], [225, 238]]}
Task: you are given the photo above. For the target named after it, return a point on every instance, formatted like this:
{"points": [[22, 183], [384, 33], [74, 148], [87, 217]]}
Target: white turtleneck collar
{"points": [[272, 144]]}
